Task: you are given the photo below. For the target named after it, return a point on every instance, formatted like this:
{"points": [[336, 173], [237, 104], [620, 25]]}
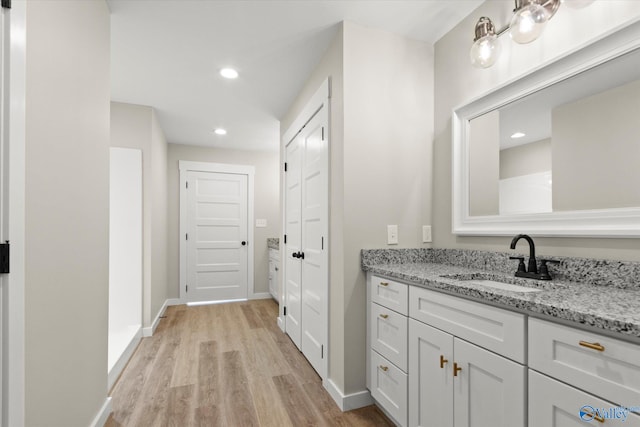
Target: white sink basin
{"points": [[503, 286]]}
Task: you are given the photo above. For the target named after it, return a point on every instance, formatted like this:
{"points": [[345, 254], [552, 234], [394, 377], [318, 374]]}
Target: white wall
{"points": [[125, 250], [380, 147], [266, 203], [457, 82], [136, 126], [66, 211]]}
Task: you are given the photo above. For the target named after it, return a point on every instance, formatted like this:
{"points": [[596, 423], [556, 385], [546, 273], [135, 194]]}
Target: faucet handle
{"points": [[521, 266], [544, 270]]}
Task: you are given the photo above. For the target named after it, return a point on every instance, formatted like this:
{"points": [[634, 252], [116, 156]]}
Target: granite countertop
{"points": [[273, 243], [608, 309]]}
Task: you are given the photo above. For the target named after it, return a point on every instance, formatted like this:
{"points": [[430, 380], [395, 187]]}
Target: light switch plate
{"points": [[392, 234], [261, 223], [426, 234]]}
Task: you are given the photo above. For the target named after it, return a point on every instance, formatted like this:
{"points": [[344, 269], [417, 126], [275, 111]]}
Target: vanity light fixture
{"points": [[220, 131], [529, 19], [518, 135]]}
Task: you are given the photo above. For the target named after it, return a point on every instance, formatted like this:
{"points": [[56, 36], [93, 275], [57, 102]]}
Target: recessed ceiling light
{"points": [[229, 73], [517, 135], [220, 131]]}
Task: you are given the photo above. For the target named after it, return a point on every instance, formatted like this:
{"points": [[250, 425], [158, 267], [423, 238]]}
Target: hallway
{"points": [[225, 365]]}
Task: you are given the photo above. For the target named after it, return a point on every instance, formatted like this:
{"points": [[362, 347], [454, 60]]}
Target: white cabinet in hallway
{"points": [[274, 273]]}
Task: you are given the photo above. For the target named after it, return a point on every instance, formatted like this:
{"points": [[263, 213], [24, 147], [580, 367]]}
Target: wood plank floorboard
{"points": [[225, 365]]}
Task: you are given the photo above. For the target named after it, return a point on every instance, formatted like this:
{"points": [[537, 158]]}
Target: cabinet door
{"points": [[430, 378], [489, 390], [554, 404]]}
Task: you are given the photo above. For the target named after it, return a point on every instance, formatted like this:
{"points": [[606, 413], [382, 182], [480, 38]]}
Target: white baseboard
{"points": [[103, 414], [260, 295], [350, 401], [115, 372], [149, 330], [281, 323]]}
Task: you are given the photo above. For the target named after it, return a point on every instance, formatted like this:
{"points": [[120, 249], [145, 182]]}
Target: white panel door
{"points": [[293, 267], [314, 255], [217, 246], [306, 247]]}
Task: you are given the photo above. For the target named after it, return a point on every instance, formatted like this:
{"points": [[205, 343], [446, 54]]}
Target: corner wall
{"points": [[266, 202], [66, 211], [457, 82], [380, 150], [136, 126]]}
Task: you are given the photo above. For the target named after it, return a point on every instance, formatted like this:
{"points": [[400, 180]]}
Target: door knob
{"points": [[295, 255], [244, 243], [301, 255]]}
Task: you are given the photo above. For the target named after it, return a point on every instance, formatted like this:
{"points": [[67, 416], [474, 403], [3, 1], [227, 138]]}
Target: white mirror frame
{"points": [[618, 222]]}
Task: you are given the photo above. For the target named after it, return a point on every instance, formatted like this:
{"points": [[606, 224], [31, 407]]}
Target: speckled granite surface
{"points": [[273, 243], [604, 295]]}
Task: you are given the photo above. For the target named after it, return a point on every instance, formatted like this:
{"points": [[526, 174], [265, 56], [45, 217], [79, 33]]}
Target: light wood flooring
{"points": [[225, 365]]}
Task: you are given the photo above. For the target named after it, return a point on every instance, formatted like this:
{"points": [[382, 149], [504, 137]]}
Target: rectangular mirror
{"points": [[556, 152]]}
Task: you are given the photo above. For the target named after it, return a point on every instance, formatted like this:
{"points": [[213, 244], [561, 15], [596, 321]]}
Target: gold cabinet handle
{"points": [[384, 316], [592, 345], [384, 368], [456, 369], [384, 283], [595, 416], [442, 361]]}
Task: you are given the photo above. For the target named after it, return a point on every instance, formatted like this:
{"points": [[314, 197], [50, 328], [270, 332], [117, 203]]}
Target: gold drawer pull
{"points": [[594, 416], [384, 368], [592, 345], [456, 369], [442, 361], [384, 283], [384, 316]]}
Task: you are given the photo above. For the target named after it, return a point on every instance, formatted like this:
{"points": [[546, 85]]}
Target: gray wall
{"points": [[526, 159], [381, 133], [457, 82], [136, 126], [67, 211], [484, 164], [596, 150], [266, 203]]}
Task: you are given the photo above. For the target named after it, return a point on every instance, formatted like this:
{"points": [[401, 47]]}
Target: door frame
{"points": [[13, 141], [320, 99], [185, 167]]}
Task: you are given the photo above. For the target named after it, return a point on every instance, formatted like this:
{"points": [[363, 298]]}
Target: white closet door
{"points": [[217, 245], [293, 268], [314, 260]]}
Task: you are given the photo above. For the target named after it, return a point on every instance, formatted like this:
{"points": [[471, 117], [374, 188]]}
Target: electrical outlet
{"points": [[426, 234], [392, 234]]}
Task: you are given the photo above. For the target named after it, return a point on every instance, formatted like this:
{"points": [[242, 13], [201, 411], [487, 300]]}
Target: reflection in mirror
{"points": [[574, 145]]}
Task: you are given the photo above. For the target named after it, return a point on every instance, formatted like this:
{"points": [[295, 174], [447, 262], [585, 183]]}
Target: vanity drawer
{"points": [[390, 294], [611, 369], [389, 335], [555, 404], [389, 387], [495, 329]]}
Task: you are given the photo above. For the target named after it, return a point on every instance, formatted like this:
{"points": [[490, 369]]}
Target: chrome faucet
{"points": [[532, 271]]}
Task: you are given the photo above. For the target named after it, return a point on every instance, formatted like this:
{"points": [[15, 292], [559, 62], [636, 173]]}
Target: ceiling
{"points": [[167, 54]]}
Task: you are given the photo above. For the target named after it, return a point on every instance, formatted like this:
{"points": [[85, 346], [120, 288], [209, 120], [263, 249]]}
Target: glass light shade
{"points": [[528, 23], [485, 51]]}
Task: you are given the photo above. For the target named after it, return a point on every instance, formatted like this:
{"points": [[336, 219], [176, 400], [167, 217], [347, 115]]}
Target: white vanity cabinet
{"points": [[603, 373], [387, 345], [274, 272], [453, 382]]}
